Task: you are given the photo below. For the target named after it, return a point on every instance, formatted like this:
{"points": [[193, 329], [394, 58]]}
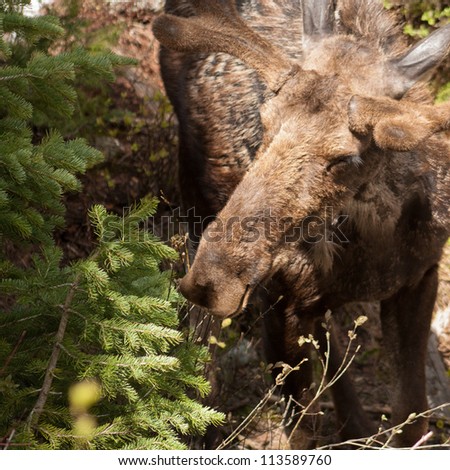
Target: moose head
{"points": [[331, 122]]}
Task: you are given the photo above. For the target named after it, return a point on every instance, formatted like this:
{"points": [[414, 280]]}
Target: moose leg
{"points": [[405, 320]]}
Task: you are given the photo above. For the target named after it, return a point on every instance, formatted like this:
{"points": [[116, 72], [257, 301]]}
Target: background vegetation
{"points": [[422, 17]]}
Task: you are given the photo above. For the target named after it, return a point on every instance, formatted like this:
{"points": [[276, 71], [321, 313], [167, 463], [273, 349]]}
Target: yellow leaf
{"points": [[85, 427], [83, 395], [227, 322]]}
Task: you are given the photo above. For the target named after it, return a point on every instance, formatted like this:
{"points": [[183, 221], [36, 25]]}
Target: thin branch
{"points": [[422, 440], [13, 322], [13, 353], [248, 419], [252, 415], [323, 387], [366, 442], [10, 438], [53, 361]]}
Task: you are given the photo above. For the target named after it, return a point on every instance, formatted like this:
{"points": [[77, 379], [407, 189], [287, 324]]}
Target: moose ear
{"points": [[399, 133], [422, 58], [395, 125], [216, 26]]}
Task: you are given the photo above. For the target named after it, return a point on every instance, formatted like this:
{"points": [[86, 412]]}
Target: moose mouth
{"points": [[244, 301], [223, 297]]}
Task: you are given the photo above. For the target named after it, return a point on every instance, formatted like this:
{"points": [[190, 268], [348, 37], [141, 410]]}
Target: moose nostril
{"points": [[186, 286], [194, 292]]}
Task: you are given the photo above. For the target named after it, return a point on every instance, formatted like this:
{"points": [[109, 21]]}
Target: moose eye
{"points": [[344, 160]]}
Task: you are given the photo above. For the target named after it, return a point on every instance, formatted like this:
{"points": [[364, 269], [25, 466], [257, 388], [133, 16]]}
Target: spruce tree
{"points": [[91, 356], [108, 322], [37, 90]]}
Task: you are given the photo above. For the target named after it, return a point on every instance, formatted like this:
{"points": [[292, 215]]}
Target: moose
{"points": [[316, 111]]}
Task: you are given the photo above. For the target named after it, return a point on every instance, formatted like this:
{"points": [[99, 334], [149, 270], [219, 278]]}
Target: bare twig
{"points": [[422, 440], [13, 353], [249, 418], [52, 363], [323, 387], [10, 438], [254, 413], [377, 410], [367, 442]]}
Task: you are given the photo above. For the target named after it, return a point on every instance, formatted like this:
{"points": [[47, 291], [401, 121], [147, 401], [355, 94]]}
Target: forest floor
{"points": [[140, 159]]}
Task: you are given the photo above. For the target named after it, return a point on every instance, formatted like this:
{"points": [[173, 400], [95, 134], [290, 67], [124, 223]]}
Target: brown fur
{"points": [[319, 132]]}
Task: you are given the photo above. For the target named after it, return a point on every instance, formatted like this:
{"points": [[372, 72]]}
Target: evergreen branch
{"points": [[9, 323], [161, 362], [19, 75], [53, 361]]}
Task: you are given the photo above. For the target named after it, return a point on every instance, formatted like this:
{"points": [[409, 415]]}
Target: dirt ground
{"points": [[243, 377]]}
